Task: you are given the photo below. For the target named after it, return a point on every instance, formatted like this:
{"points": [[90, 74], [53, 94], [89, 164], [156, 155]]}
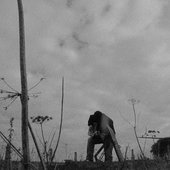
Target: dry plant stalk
{"points": [[24, 91], [61, 120]]}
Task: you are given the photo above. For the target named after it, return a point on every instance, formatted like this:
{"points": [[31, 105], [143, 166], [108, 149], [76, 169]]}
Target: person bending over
{"points": [[99, 134]]}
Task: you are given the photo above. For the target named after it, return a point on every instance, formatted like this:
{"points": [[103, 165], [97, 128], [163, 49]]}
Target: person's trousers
{"points": [[108, 147]]}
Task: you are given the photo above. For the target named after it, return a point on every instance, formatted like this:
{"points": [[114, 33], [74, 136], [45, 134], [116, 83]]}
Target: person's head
{"points": [[97, 113], [91, 120], [95, 118]]}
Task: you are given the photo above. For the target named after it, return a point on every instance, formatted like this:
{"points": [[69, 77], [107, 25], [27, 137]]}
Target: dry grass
{"points": [[128, 165]]}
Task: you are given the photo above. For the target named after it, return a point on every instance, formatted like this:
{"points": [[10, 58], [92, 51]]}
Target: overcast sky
{"points": [[108, 52]]}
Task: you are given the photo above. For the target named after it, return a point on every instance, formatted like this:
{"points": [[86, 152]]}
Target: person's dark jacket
{"points": [[101, 121]]}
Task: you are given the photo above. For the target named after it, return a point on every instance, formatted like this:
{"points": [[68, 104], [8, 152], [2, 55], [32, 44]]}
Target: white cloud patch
{"points": [[99, 20], [141, 16], [160, 61]]}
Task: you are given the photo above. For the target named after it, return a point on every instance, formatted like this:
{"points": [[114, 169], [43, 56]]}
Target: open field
{"points": [[127, 165]]}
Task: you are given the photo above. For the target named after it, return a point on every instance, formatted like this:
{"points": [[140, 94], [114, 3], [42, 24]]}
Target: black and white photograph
{"points": [[84, 84]]}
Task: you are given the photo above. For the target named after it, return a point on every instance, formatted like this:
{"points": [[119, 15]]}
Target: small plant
{"points": [[2, 152], [40, 120], [133, 102], [8, 146]]}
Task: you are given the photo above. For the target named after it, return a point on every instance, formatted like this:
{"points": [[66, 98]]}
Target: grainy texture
{"points": [[128, 165]]}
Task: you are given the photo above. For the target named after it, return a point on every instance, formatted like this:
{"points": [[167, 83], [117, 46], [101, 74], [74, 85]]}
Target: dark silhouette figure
{"points": [[99, 134]]}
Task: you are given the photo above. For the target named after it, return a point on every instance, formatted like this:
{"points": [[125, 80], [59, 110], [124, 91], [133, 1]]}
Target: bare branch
{"points": [[52, 138], [36, 84], [3, 79], [5, 91], [6, 107], [38, 137]]}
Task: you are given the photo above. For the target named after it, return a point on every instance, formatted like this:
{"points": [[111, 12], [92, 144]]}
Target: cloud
{"points": [[99, 19], [160, 61], [141, 16]]}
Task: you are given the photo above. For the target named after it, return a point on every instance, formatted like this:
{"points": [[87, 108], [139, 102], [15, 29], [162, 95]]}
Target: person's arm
{"points": [[91, 130]]}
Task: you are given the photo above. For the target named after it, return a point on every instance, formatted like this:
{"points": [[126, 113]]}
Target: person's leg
{"points": [[108, 148], [90, 147]]}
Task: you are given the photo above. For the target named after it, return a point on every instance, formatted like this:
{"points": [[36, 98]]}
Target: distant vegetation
{"points": [[161, 148]]}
